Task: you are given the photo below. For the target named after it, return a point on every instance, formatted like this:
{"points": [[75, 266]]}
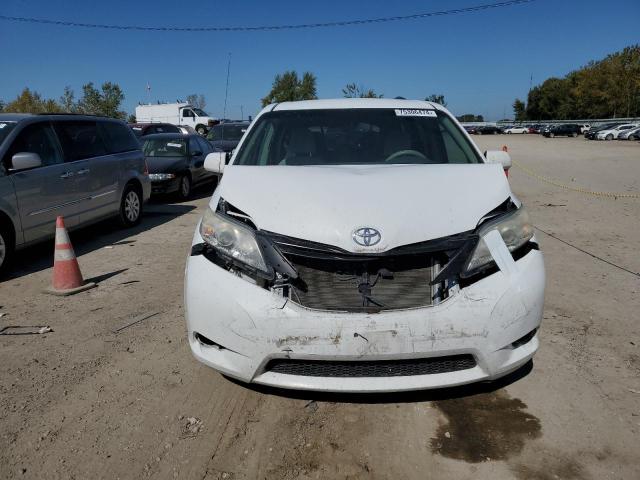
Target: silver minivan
{"points": [[82, 167]]}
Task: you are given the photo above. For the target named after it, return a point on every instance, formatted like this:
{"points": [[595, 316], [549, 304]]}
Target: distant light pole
{"points": [[226, 92]]}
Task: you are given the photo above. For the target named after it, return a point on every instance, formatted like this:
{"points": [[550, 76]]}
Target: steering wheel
{"points": [[402, 153]]}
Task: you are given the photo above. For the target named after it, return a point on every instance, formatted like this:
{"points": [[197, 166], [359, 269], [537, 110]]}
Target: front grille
{"points": [[383, 368], [340, 291]]}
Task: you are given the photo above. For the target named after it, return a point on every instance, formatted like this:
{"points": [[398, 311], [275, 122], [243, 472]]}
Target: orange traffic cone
{"points": [[67, 278]]}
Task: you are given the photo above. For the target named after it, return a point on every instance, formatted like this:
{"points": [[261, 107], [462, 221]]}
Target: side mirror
{"points": [[500, 157], [25, 160], [215, 162]]}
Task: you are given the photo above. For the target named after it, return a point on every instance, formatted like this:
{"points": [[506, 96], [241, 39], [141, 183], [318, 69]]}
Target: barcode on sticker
{"points": [[415, 112]]}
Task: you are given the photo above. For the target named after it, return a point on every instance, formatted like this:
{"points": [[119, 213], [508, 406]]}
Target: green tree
{"points": [[287, 87], [105, 102], [351, 90], [437, 98], [131, 118], [601, 89], [197, 100], [67, 100], [519, 110], [470, 117], [31, 102]]}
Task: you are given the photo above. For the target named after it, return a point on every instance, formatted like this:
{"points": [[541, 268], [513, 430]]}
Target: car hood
{"points": [[166, 164], [326, 204]]}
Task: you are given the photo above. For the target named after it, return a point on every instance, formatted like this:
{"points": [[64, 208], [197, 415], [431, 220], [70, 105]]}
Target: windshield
{"points": [[356, 137], [227, 132], [165, 147], [199, 112], [5, 129]]}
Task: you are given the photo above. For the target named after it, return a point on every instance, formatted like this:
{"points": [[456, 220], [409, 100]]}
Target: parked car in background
{"points": [[488, 130], [629, 134], [593, 131], [179, 113], [537, 128], [562, 130], [227, 135], [186, 129], [176, 162], [142, 129], [470, 129], [584, 128], [295, 281], [83, 168], [612, 133], [517, 129]]}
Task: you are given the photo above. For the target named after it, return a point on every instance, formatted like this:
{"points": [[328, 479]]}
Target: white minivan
{"points": [[363, 245]]}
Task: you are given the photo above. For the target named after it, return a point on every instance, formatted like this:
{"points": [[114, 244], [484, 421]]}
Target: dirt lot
{"points": [[85, 402]]}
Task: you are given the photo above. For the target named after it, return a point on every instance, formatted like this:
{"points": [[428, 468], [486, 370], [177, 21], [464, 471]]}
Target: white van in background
{"points": [[177, 114]]}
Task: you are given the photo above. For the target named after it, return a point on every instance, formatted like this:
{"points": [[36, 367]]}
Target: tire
{"points": [[131, 206], [508, 133], [201, 129], [609, 137], [574, 134], [479, 132], [185, 187], [551, 135], [6, 247]]}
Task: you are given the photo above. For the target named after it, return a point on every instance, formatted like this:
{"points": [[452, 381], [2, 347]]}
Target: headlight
{"points": [[154, 177], [232, 239], [515, 229]]}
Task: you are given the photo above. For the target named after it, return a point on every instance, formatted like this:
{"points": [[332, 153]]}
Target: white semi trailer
{"points": [[177, 114]]}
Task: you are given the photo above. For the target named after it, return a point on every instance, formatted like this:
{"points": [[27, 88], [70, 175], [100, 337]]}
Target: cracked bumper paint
{"points": [[255, 326]]}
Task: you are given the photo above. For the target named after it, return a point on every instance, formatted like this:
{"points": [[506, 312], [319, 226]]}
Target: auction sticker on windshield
{"points": [[414, 112]]}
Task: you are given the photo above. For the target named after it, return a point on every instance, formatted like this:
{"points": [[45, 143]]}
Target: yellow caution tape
{"points": [[556, 183]]}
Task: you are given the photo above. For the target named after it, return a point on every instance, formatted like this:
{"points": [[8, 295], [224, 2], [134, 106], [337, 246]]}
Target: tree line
{"points": [[606, 88], [105, 101]]}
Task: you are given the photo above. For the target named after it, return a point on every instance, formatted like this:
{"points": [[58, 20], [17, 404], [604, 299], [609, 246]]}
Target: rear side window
{"points": [[80, 140], [117, 137]]}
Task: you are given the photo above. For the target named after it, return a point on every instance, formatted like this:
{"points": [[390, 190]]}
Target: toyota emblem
{"points": [[366, 236]]}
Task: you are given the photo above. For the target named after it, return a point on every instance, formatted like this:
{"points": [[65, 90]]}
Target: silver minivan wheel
{"points": [[131, 206], [6, 246], [3, 250]]}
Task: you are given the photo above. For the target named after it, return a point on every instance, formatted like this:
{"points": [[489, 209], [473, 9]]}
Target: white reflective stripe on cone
{"points": [[62, 236], [64, 254]]}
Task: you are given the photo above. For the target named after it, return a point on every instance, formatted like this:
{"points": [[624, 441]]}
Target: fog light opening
{"points": [[525, 339], [207, 342]]}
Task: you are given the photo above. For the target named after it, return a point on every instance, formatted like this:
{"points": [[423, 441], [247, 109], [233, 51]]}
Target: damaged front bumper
{"points": [[482, 332]]}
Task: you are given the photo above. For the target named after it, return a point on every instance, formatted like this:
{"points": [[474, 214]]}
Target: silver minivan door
{"points": [[46, 191], [97, 170]]}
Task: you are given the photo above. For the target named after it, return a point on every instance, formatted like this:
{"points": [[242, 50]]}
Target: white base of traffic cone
{"points": [[71, 291]]}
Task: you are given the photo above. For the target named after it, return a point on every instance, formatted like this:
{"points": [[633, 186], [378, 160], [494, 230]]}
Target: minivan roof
{"points": [[342, 103], [16, 117]]}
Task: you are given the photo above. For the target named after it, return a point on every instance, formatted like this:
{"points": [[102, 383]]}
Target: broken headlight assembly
{"points": [[516, 230], [232, 240]]}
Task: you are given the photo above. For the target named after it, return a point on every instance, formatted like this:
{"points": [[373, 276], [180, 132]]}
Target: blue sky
{"points": [[479, 61]]}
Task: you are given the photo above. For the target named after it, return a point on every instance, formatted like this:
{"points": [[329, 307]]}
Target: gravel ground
{"points": [[88, 401]]}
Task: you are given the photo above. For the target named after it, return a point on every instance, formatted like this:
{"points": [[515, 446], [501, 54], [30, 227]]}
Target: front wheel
{"points": [[201, 129], [609, 137], [184, 189], [131, 206], [574, 134], [551, 135], [6, 247]]}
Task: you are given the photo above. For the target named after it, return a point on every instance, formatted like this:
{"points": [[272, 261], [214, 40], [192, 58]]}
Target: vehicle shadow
{"points": [[106, 233], [395, 397]]}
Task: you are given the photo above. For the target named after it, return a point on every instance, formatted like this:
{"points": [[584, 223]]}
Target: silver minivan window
{"points": [[356, 137]]}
